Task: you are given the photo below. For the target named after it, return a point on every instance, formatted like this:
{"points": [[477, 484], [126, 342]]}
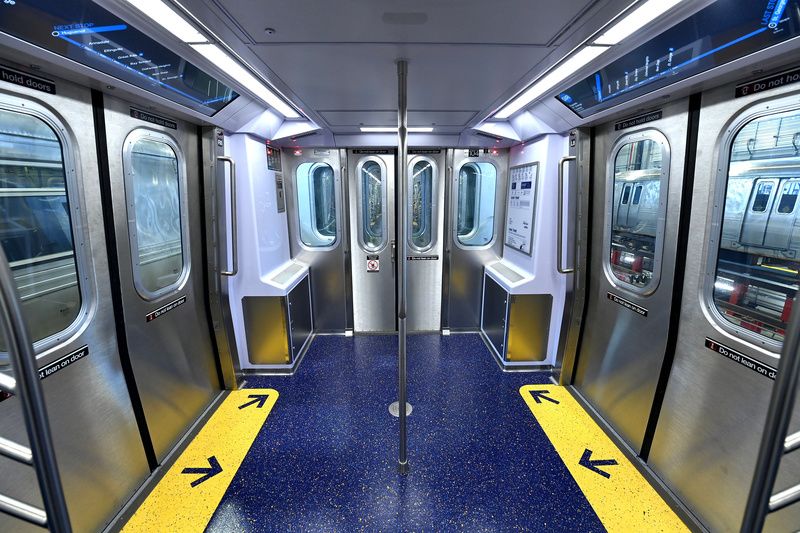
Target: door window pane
{"points": [[757, 267], [316, 202], [35, 225], [475, 210], [421, 198], [372, 216], [634, 231], [158, 253]]}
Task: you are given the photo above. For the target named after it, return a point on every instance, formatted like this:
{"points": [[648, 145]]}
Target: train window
{"points": [[475, 209], [35, 224], [316, 204], [373, 195], [154, 187], [757, 269], [637, 209], [420, 232]]}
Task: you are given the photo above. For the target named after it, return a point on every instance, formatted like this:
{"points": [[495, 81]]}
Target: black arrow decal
{"points": [[540, 395], [260, 399], [214, 469], [586, 461]]}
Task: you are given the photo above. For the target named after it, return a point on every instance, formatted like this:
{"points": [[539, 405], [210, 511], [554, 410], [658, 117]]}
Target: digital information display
{"points": [[718, 34], [85, 32], [521, 206]]}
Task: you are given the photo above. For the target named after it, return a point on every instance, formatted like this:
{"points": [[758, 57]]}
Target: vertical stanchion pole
{"points": [[402, 203]]}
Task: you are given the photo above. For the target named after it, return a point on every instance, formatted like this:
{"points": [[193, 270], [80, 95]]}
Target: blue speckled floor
{"points": [[326, 460]]}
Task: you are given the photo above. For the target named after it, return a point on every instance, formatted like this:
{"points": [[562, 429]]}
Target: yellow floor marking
{"points": [[174, 505], [624, 501]]}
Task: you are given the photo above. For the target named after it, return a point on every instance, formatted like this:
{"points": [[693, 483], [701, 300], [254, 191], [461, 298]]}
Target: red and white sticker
{"points": [[373, 265]]}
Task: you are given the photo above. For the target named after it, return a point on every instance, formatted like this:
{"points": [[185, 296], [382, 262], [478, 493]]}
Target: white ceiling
{"points": [[336, 58]]}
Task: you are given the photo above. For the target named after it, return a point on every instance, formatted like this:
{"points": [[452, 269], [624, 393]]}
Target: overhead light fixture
{"points": [[551, 79], [635, 20], [166, 17], [387, 129], [237, 72]]}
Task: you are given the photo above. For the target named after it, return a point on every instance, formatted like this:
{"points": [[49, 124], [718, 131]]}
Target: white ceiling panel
{"points": [[389, 118], [532, 22]]}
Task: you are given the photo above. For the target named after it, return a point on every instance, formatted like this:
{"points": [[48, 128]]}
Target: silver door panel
{"points": [[622, 352], [713, 414], [172, 356], [98, 448]]}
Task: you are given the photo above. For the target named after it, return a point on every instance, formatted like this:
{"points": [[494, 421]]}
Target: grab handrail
{"points": [[234, 244], [29, 392], [560, 225]]}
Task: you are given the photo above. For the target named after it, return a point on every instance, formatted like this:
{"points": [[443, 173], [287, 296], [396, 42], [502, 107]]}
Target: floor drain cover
{"points": [[394, 408]]}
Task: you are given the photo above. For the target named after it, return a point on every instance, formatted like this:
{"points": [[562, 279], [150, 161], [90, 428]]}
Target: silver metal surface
{"points": [[234, 238], [172, 356], [783, 499], [7, 383], [34, 411], [23, 511], [374, 293], [394, 409], [714, 409], [327, 265], [465, 264], [792, 442], [402, 223], [622, 351], [213, 176], [16, 451], [102, 464], [560, 238], [266, 324]]}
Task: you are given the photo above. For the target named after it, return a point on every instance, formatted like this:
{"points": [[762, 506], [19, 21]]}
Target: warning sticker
{"points": [[373, 263]]}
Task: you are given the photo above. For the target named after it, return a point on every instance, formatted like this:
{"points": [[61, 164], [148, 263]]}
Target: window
{"points": [[35, 224], [420, 232], [635, 240], [154, 188], [757, 270], [475, 209], [316, 203], [373, 195]]}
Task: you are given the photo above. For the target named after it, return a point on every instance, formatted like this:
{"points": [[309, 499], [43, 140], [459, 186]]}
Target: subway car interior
{"points": [[430, 265]]}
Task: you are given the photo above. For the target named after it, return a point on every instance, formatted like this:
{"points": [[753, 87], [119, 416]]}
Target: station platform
{"points": [[317, 451]]}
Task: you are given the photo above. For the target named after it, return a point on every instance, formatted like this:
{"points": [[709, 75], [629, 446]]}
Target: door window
{"points": [[638, 179], [36, 229], [420, 231], [758, 258], [477, 183], [316, 203], [155, 217], [372, 189]]}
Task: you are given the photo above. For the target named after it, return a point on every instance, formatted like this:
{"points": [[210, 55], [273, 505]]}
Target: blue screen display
{"points": [[718, 34], [88, 34]]}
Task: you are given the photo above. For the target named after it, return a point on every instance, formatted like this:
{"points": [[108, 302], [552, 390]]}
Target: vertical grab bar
{"points": [[234, 237], [560, 244], [29, 388]]}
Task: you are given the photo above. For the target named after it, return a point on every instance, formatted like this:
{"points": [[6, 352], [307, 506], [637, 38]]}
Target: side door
{"points": [[52, 232], [737, 301], [371, 189], [475, 196], [158, 220], [631, 270]]}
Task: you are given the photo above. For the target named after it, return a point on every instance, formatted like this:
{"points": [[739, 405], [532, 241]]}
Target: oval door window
{"points": [[316, 204], [475, 208], [420, 230]]}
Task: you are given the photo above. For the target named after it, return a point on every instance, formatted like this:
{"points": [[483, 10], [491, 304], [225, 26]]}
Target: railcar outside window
{"points": [[373, 195], [477, 184], [35, 225], [154, 187], [637, 206], [757, 270], [316, 202], [420, 232]]}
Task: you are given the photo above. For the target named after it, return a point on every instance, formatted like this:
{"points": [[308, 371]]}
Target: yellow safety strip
{"points": [[187, 496], [618, 493]]}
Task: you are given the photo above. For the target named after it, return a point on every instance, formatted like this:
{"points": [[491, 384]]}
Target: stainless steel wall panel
{"points": [[172, 356], [622, 351], [98, 448]]}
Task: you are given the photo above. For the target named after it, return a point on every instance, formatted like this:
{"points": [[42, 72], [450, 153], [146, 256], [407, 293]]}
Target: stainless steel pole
{"points": [[402, 203], [23, 359]]}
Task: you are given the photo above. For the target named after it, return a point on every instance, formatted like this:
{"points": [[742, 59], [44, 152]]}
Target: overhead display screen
{"points": [[718, 34], [85, 32]]}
